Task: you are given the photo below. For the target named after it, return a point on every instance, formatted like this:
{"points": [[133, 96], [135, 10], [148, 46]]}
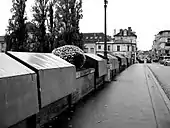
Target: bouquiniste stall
{"points": [[100, 66], [55, 81], [122, 61], [18, 92], [114, 63]]}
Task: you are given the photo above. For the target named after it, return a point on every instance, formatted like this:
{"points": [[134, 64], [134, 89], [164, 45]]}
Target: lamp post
{"points": [[105, 40]]}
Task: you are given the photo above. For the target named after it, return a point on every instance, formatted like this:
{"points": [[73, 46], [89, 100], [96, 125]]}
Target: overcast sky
{"points": [[146, 17]]}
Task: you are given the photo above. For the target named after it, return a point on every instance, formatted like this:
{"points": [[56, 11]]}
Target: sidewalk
{"points": [[130, 106], [132, 101]]}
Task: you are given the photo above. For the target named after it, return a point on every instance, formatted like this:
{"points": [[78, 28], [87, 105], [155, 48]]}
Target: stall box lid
{"points": [[102, 64], [57, 77], [123, 58], [112, 60], [116, 61], [18, 91]]}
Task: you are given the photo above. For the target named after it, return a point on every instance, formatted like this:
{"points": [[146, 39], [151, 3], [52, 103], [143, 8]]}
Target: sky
{"points": [[145, 17]]}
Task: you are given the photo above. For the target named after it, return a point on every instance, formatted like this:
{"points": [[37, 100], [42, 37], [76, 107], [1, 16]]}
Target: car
{"points": [[141, 61], [155, 60], [167, 62], [148, 60], [162, 61], [163, 58]]}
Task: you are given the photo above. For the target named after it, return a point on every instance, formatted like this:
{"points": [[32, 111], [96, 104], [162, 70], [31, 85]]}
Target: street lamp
{"points": [[105, 40]]}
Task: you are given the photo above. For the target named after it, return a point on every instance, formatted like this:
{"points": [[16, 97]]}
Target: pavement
{"points": [[132, 100]]}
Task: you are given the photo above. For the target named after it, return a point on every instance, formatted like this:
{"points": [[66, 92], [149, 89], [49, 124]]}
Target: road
{"points": [[162, 73], [132, 100]]}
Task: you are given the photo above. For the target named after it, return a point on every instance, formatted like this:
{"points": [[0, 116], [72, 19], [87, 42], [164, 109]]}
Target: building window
{"points": [[125, 33], [87, 37], [86, 50], [166, 52], [100, 37], [108, 48], [133, 48], [167, 44], [95, 37], [168, 40], [3, 46], [91, 37], [99, 47], [118, 48], [128, 48], [92, 50]]}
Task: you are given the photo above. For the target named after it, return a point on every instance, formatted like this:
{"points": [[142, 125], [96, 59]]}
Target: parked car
{"points": [[141, 60], [163, 58], [167, 62], [148, 60], [161, 61], [155, 60]]}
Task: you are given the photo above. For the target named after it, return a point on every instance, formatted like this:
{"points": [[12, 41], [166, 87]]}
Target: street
{"points": [[163, 75], [132, 100]]}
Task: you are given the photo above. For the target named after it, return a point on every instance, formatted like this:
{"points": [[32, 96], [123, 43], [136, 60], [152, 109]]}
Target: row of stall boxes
{"points": [[118, 62], [29, 82]]}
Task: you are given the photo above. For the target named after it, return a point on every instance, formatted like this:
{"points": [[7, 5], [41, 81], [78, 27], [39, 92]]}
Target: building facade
{"points": [[94, 42], [161, 44], [125, 43], [100, 47], [2, 44]]}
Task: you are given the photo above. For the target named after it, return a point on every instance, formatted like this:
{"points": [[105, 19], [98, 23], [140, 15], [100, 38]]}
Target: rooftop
{"points": [[121, 41], [95, 37], [126, 32], [164, 31]]}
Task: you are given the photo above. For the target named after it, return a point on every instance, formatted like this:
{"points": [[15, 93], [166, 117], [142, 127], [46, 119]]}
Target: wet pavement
{"points": [[131, 101]]}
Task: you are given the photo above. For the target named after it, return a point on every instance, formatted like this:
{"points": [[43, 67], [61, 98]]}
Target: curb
{"points": [[163, 95]]}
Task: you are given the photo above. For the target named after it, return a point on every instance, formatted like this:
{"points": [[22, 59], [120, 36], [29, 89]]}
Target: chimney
{"points": [[121, 31], [129, 29], [114, 32]]}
